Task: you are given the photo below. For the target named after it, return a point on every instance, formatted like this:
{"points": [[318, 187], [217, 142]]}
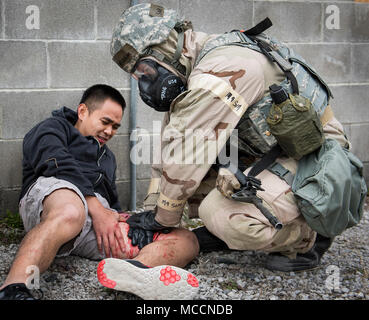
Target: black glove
{"points": [[142, 227]]}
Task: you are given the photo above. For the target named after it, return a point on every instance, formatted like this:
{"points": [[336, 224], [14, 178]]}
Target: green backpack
{"points": [[330, 189]]}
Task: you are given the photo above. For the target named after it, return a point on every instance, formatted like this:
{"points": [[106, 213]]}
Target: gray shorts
{"points": [[31, 207]]}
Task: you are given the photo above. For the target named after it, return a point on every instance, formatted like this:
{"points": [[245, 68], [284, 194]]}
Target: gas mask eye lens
{"points": [[146, 68]]}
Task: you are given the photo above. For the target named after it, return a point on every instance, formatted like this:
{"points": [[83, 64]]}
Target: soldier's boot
{"points": [[208, 242], [306, 261]]}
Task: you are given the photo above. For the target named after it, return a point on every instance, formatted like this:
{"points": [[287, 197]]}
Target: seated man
{"points": [[69, 202]]}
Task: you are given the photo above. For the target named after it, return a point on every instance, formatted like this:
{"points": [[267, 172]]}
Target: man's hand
{"points": [[142, 227], [226, 182], [107, 230]]}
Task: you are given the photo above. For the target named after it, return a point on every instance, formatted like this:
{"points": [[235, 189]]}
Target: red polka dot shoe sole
{"points": [[158, 283]]}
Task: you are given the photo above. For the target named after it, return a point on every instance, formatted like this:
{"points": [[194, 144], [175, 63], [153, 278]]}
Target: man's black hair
{"points": [[94, 96]]}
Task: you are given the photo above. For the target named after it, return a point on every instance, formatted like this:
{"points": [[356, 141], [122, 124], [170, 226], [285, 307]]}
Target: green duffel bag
{"points": [[330, 189]]}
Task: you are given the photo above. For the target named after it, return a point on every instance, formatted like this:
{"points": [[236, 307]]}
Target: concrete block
{"points": [[296, 21], [23, 64], [124, 128], [9, 199], [360, 141], [108, 13], [333, 61], [68, 19], [142, 187], [11, 163], [147, 117], [1, 21], [23, 110], [119, 145], [350, 103], [353, 23], [1, 121], [143, 154], [123, 188], [360, 26], [359, 62], [144, 171], [123, 194], [76, 65], [217, 16]]}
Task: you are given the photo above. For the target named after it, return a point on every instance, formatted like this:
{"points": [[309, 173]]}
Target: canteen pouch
{"points": [[296, 126], [330, 189]]}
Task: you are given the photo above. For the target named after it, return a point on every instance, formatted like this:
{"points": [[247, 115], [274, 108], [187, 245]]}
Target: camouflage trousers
{"points": [[243, 227]]}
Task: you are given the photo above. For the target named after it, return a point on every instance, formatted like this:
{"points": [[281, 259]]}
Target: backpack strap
{"points": [[250, 185], [284, 64], [271, 54], [267, 160], [282, 173], [259, 28]]}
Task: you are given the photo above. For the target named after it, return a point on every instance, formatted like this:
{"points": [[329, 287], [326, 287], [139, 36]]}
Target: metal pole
{"points": [[132, 144]]}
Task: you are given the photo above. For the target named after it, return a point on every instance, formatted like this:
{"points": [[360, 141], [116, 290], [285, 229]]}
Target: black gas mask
{"points": [[158, 86]]}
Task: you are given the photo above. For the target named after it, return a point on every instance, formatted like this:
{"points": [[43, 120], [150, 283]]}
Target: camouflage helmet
{"points": [[140, 27]]}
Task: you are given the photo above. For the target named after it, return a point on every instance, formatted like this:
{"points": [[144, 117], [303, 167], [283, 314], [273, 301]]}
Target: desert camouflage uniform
{"points": [[221, 88]]}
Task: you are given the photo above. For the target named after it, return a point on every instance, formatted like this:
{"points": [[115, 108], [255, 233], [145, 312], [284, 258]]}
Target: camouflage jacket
{"points": [[221, 87]]}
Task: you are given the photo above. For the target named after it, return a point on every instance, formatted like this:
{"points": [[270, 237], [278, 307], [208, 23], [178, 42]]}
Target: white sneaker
{"points": [[157, 283]]}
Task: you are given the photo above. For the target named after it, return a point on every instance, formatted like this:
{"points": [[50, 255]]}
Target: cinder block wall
{"points": [[46, 68]]}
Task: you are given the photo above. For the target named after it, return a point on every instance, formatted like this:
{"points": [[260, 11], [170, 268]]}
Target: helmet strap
{"points": [[177, 55], [179, 48]]}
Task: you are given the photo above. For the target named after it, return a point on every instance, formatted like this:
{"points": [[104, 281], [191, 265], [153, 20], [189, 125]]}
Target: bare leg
{"points": [[165, 279], [62, 219], [176, 248]]}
